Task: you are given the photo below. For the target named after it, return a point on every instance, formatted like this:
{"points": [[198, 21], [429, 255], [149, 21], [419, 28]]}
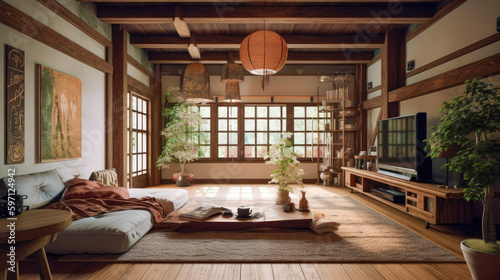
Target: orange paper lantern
{"points": [[263, 52]]}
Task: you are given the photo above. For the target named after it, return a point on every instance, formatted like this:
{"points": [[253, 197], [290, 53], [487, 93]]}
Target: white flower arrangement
{"points": [[288, 172], [181, 133]]}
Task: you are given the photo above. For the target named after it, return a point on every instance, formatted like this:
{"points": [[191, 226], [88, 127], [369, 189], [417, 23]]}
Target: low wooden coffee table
{"points": [[31, 230], [271, 217]]}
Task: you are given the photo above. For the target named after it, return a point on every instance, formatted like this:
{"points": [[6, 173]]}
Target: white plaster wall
{"points": [[93, 88], [139, 54], [374, 75], [278, 85], [138, 75], [234, 170], [44, 15], [86, 13], [470, 22]]}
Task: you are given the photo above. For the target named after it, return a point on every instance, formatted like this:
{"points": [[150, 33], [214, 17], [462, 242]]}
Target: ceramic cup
{"points": [[244, 211]]}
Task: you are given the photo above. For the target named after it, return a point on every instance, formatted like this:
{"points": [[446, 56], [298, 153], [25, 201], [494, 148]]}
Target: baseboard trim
{"points": [[232, 181]]}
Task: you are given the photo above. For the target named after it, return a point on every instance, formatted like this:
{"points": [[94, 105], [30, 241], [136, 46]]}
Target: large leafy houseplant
{"points": [[288, 173], [471, 121], [182, 133]]}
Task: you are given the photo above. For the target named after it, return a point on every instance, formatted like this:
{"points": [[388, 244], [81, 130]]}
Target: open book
{"points": [[203, 212]]}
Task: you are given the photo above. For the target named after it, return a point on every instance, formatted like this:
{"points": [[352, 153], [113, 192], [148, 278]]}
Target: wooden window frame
{"points": [[214, 122], [142, 180]]}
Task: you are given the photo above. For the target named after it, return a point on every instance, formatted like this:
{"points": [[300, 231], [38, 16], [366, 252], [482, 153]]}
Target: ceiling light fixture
{"points": [[263, 53], [195, 83], [232, 75]]}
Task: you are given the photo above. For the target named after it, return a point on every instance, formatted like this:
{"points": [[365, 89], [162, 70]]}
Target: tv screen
{"points": [[400, 144]]}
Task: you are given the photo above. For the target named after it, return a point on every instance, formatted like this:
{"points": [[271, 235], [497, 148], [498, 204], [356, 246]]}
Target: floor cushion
{"points": [[170, 199], [112, 232]]}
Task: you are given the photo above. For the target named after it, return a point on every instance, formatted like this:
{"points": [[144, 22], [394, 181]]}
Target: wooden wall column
{"points": [[156, 138], [361, 94], [119, 106], [393, 58]]}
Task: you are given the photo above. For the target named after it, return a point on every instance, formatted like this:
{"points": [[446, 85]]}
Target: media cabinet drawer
{"points": [[417, 212]]}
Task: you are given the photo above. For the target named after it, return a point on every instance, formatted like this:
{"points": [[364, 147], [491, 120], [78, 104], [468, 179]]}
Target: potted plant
{"points": [[470, 121], [288, 173], [182, 136]]}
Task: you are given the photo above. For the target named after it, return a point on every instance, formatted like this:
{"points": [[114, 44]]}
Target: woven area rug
{"points": [[363, 235]]}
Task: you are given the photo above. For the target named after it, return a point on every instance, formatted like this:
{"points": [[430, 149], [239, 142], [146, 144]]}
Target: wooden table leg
{"points": [[12, 275], [43, 264]]}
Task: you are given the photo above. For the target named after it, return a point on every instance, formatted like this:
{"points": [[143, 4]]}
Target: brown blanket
{"points": [[85, 198]]}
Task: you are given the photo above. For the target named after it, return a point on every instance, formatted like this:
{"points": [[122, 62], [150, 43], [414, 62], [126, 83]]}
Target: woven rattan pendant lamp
{"points": [[232, 93], [232, 75], [195, 83], [263, 53]]}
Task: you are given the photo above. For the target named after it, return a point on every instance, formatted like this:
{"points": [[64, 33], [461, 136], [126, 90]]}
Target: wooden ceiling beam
{"points": [[293, 58], [395, 13], [238, 1], [180, 25], [234, 41], [193, 50]]}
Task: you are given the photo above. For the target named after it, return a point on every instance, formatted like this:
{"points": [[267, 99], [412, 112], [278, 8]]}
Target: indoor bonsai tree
{"points": [[182, 135], [472, 121], [288, 173]]}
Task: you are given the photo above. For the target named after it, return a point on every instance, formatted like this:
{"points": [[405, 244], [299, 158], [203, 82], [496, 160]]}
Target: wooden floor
{"points": [[448, 237]]}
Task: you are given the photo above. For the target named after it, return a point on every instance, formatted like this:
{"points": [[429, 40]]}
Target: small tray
{"points": [[302, 209]]}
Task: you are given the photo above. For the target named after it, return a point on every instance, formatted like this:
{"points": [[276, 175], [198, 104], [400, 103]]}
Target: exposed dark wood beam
{"points": [[238, 1], [156, 119], [395, 13], [293, 58], [372, 103], [119, 108], [66, 14], [482, 68], [393, 70], [180, 25], [233, 41], [25, 24], [138, 86]]}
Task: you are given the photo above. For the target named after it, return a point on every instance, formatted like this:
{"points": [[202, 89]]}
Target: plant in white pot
{"points": [[288, 173], [182, 136], [472, 121]]}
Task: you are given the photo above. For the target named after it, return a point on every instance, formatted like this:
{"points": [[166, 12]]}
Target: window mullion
{"points": [[214, 127], [241, 132]]}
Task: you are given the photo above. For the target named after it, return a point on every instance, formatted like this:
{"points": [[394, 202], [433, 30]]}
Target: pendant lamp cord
{"points": [[265, 77]]}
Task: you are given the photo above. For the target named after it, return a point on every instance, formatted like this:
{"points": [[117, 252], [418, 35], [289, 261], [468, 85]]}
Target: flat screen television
{"points": [[400, 148]]}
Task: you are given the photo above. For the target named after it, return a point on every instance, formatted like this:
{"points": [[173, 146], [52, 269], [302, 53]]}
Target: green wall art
{"points": [[60, 116]]}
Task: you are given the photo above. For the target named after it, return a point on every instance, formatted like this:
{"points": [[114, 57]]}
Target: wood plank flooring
{"points": [[448, 237]]}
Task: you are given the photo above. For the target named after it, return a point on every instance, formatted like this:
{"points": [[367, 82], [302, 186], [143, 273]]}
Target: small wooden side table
{"points": [[31, 230]]}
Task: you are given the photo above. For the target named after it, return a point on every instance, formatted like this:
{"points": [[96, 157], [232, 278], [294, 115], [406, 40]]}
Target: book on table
{"points": [[203, 212]]}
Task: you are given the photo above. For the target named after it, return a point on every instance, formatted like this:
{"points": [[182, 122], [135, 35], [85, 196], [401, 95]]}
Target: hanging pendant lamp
{"points": [[195, 83], [263, 52], [232, 73], [232, 93]]}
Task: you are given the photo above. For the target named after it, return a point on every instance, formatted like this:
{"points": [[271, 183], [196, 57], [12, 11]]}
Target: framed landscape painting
{"points": [[60, 116]]}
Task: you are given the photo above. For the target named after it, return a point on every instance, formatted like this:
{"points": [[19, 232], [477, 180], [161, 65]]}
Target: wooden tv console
{"points": [[430, 202]]}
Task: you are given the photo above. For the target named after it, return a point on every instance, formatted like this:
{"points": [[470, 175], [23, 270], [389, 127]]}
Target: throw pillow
{"points": [[107, 177], [82, 189]]}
